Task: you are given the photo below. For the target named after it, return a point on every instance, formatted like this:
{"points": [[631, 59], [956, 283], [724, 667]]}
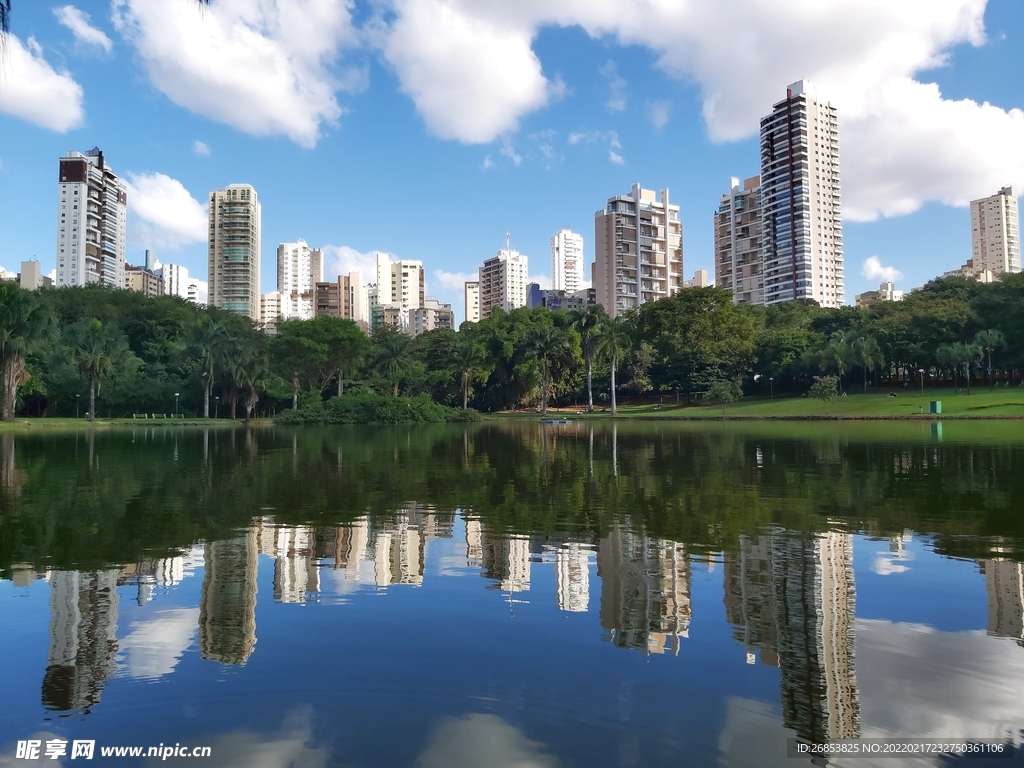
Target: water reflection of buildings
{"points": [[83, 642], [1004, 586], [792, 599], [645, 591], [227, 606]]}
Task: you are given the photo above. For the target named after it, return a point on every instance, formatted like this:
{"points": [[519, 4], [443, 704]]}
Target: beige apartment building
{"points": [[995, 233], [472, 300], [347, 298], [639, 250], [738, 242], [502, 281], [234, 250], [142, 280]]}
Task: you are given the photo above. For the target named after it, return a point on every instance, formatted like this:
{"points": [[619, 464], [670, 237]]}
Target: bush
{"points": [[369, 408]]}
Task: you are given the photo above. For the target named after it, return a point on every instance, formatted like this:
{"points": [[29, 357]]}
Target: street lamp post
{"points": [[176, 404], [216, 407], [78, 399], [771, 386]]}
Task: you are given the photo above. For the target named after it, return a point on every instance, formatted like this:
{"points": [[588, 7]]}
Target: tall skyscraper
{"points": [[995, 233], [234, 254], [566, 261], [299, 269], [472, 299], [502, 281], [802, 213], [638, 241], [92, 221], [738, 242]]}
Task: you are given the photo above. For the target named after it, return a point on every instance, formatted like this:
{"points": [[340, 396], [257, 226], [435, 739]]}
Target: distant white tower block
{"points": [[567, 261]]}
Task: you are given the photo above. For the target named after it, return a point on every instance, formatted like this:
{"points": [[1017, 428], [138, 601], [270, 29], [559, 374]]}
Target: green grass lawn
{"points": [[981, 403], [908, 402], [28, 425]]}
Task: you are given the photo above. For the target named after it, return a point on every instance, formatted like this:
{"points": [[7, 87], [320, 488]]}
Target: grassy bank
{"points": [[42, 425], [908, 404]]}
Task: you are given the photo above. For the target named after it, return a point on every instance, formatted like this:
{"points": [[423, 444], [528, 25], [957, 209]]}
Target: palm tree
{"points": [[389, 355], [467, 357], [24, 325], [587, 323], [989, 340], [867, 354], [252, 378], [836, 355], [548, 346], [96, 349], [210, 341], [613, 342]]}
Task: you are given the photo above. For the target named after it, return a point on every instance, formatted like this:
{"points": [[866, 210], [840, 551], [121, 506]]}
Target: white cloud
{"points": [[454, 281], [472, 72], [78, 22], [659, 112], [613, 145], [162, 212], [153, 648], [341, 259], [509, 151], [482, 739], [262, 66], [471, 75], [201, 148], [487, 163], [33, 90], [616, 87], [542, 280], [873, 270]]}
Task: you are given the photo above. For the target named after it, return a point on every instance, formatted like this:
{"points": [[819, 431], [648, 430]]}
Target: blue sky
{"points": [[429, 128]]}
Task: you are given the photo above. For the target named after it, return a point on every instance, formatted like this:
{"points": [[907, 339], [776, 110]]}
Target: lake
{"points": [[511, 593]]}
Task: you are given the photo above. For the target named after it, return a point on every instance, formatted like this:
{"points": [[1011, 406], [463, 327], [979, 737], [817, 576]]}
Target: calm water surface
{"points": [[512, 594]]}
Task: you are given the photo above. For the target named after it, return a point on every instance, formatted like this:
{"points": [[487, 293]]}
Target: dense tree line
{"points": [[109, 352]]}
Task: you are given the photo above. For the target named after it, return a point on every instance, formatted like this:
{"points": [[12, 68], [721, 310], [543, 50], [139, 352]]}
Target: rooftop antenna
{"points": [[508, 241]]}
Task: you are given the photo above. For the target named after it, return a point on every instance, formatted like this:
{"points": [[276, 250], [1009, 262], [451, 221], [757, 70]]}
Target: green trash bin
{"points": [[935, 407]]}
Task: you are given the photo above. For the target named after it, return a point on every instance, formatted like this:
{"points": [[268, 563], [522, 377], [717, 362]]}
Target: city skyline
{"points": [[580, 113]]}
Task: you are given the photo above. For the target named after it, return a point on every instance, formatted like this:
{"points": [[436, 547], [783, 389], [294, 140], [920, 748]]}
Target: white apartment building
{"points": [[400, 284], [995, 233], [472, 300], [638, 241], [738, 242], [887, 291], [270, 311], [800, 198], [92, 221], [502, 281], [567, 261], [178, 283], [234, 252], [299, 269]]}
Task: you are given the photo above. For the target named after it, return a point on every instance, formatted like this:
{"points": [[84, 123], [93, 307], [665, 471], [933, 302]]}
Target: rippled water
{"points": [[512, 594]]}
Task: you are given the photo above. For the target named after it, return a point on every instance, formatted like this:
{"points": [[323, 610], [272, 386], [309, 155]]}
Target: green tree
{"points": [[989, 340], [826, 389], [98, 350], [698, 338], [835, 356], [723, 392], [388, 355], [468, 358], [25, 326], [318, 351], [209, 342], [587, 323], [613, 342], [548, 346], [865, 352]]}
